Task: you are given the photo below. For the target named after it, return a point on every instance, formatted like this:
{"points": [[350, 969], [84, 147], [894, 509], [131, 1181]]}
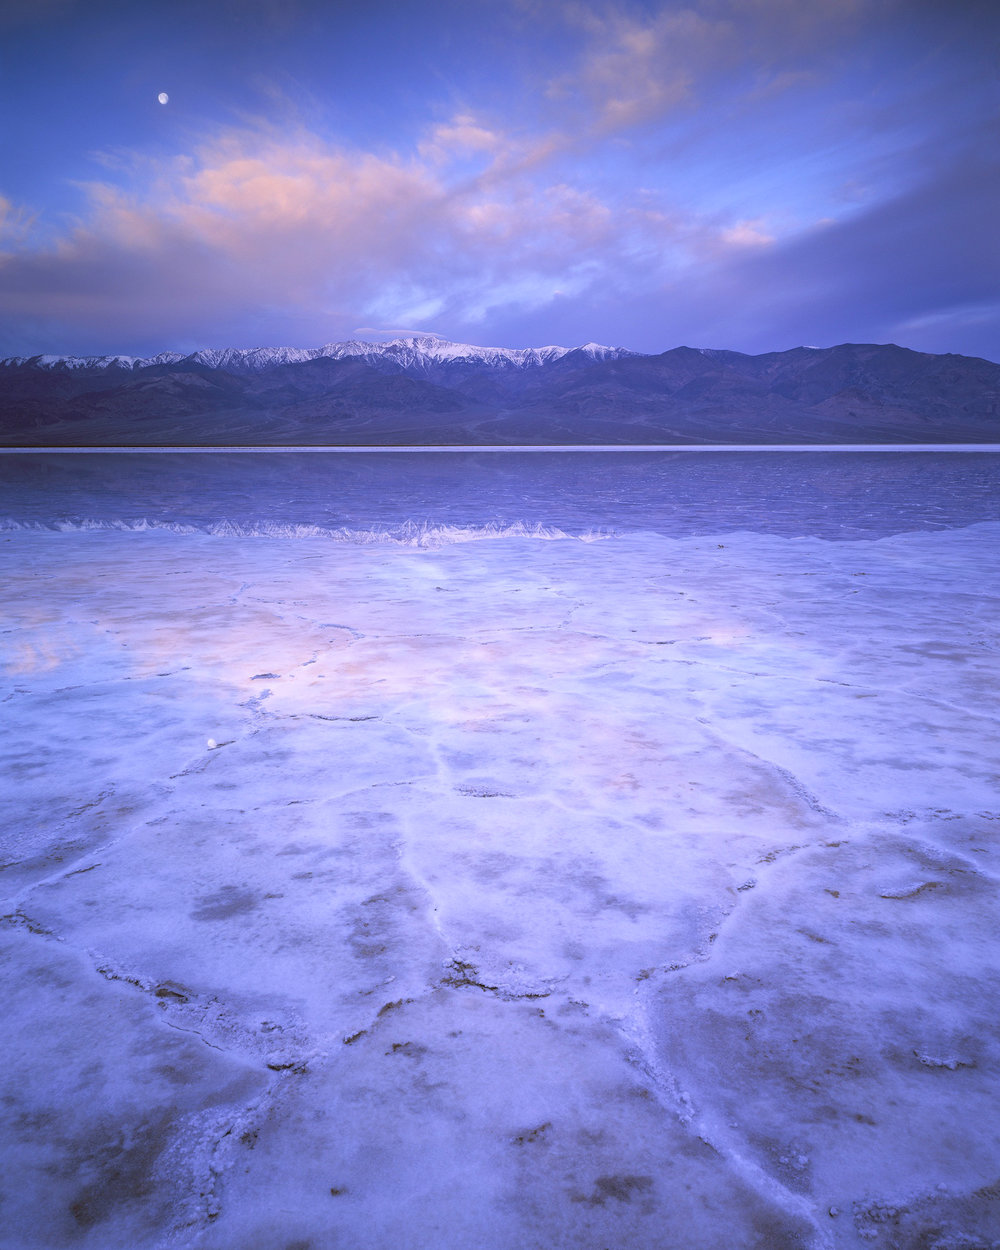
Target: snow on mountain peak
{"points": [[415, 351], [425, 349], [599, 352]]}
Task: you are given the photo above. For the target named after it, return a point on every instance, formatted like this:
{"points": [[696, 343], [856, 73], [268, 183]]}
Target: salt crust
{"points": [[500, 894]]}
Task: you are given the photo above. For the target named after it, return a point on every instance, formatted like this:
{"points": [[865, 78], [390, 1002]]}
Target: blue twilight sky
{"points": [[750, 174]]}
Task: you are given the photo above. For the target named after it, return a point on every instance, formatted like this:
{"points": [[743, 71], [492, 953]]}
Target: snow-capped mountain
{"points": [[93, 364], [425, 349], [423, 390], [413, 352]]}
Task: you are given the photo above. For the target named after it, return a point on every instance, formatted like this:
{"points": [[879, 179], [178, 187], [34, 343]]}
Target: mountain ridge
{"points": [[408, 349], [422, 390]]}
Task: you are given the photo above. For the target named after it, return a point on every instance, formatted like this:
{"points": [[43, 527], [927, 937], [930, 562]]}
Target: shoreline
{"points": [[496, 447]]}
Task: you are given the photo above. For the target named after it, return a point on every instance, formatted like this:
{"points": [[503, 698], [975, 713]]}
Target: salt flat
{"points": [[511, 893]]}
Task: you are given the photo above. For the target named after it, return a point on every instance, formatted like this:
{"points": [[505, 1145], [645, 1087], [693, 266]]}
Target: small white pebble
{"points": [[212, 744], [835, 1211]]}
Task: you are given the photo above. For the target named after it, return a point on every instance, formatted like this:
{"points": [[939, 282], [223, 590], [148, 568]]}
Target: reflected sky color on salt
{"points": [[821, 494]]}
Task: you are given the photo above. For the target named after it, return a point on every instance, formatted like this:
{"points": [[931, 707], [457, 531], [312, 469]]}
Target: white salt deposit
{"points": [[517, 893]]}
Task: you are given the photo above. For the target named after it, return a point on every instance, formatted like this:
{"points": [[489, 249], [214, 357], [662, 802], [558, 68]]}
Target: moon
{"points": [[163, 97]]}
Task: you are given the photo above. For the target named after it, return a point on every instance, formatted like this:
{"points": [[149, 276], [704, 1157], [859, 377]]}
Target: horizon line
{"points": [[501, 447], [440, 338]]}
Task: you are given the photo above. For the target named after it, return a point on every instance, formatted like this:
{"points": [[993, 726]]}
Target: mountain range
{"points": [[424, 390]]}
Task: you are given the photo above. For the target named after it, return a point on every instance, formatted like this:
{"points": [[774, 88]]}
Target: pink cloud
{"points": [[638, 66], [262, 222], [293, 237], [281, 234]]}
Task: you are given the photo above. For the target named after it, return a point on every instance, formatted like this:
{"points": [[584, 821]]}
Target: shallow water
{"points": [[833, 495], [641, 892]]}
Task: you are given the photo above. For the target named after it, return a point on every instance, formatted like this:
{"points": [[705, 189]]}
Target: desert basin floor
{"points": [[508, 894]]}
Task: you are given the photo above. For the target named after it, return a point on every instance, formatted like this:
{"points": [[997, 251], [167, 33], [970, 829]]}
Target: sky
{"points": [[745, 174]]}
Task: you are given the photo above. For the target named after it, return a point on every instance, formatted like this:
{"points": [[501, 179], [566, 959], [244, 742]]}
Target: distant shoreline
{"points": [[502, 447]]}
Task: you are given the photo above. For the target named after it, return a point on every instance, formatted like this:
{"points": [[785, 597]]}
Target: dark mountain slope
{"points": [[851, 393]]}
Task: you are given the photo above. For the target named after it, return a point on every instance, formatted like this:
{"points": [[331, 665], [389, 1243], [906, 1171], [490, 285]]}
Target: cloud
{"points": [[637, 70], [462, 135], [397, 331], [929, 249], [747, 234], [255, 217], [263, 235], [921, 269], [638, 67], [257, 221], [16, 223], [587, 219]]}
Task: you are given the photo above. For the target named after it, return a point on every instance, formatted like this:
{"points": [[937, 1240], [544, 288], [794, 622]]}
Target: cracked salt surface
{"points": [[477, 919]]}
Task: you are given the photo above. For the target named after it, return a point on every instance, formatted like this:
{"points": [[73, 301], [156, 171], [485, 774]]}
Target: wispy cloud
{"points": [[639, 66], [16, 223], [400, 331], [636, 70], [258, 220], [661, 167], [463, 134]]}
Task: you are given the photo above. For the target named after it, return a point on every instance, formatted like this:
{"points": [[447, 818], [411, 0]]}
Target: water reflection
{"points": [[824, 494]]}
